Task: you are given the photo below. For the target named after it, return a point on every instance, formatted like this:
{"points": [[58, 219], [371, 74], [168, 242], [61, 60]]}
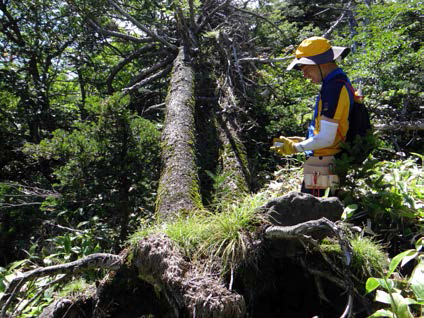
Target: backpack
{"points": [[358, 143]]}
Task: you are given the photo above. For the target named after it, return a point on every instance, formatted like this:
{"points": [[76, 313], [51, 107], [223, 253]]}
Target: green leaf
{"points": [[17, 264], [348, 211], [383, 313], [383, 297], [407, 258], [401, 304], [371, 284], [397, 259], [417, 281], [419, 244]]}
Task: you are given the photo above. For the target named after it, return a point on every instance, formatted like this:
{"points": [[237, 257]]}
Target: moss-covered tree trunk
{"points": [[233, 157], [179, 185]]}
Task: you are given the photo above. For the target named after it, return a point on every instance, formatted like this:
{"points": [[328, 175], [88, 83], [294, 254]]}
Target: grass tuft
{"points": [[368, 256], [202, 234]]}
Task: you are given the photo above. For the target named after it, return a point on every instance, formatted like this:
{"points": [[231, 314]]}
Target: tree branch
{"points": [[124, 62], [117, 34], [19, 40], [264, 60], [156, 107], [153, 34], [43, 288], [147, 80], [98, 260], [211, 14], [258, 16], [337, 22], [407, 125]]}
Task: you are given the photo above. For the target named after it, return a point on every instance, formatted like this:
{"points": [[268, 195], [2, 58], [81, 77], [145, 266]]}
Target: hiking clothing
{"points": [[323, 139], [333, 101]]}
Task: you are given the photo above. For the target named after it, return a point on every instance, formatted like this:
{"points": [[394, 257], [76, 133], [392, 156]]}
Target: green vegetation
{"points": [[224, 236], [405, 295], [80, 146], [368, 256]]}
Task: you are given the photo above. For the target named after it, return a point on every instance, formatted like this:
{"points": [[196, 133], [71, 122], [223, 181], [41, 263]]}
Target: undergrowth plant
{"points": [[404, 295], [392, 194], [368, 257]]}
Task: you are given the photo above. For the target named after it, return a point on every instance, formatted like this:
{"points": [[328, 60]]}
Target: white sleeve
{"points": [[324, 138]]}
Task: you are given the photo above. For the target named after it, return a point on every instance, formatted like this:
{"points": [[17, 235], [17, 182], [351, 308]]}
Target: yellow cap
{"points": [[312, 46]]}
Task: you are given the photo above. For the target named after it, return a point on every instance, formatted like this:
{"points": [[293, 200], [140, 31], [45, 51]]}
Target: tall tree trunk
{"points": [[179, 185], [233, 155]]}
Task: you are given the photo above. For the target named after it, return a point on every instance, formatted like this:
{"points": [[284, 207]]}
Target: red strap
{"points": [[352, 90]]}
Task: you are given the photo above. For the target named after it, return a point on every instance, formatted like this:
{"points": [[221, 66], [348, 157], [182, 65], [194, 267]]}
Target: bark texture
{"points": [[233, 156], [179, 184]]}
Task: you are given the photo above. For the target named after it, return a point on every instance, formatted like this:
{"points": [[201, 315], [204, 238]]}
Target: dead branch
{"points": [[211, 14], [153, 34], [15, 205], [42, 289], [337, 22], [264, 60], [404, 126], [147, 80], [98, 260], [258, 16], [128, 37], [31, 191], [65, 228], [124, 62], [156, 107], [151, 70]]}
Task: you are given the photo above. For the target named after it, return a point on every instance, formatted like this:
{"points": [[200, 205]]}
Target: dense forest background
{"points": [[86, 112]]}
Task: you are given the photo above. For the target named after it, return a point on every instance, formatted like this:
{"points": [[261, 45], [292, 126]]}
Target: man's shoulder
{"points": [[334, 85]]}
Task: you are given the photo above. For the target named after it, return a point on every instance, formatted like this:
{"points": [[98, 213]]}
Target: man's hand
{"points": [[287, 148]]}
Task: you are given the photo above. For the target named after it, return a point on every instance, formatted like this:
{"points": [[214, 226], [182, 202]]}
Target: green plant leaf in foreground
{"points": [[383, 313], [348, 211], [371, 284], [403, 257], [419, 244], [398, 303], [417, 281]]}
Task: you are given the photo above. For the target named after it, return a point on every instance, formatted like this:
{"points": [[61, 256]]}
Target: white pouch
{"points": [[318, 173]]}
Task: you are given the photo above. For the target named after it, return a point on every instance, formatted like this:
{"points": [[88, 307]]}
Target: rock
{"points": [[296, 207]]}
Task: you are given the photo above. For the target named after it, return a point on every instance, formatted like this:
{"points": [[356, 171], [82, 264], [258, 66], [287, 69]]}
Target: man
{"points": [[316, 58]]}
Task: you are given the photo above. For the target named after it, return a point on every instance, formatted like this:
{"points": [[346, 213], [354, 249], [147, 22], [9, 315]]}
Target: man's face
{"points": [[312, 72]]}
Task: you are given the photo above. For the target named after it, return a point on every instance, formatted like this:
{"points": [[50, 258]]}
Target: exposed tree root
{"points": [[157, 268], [193, 293], [309, 228], [307, 233]]}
